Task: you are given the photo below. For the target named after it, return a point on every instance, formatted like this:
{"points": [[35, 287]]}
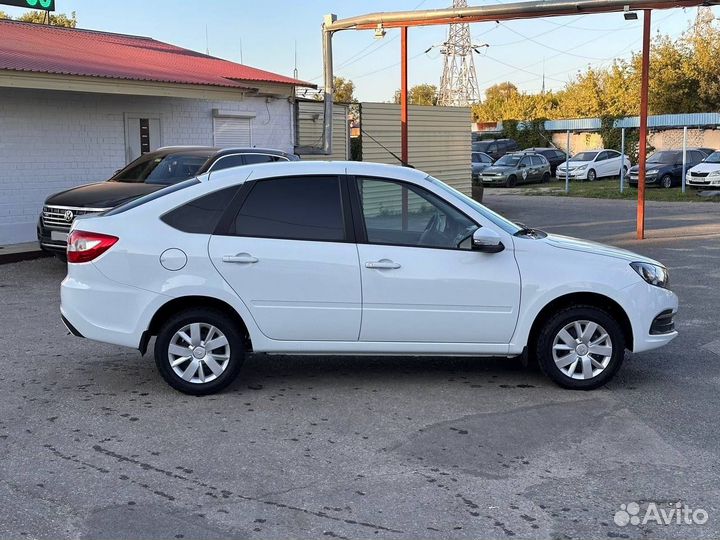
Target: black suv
{"points": [[150, 172], [496, 148], [554, 156]]}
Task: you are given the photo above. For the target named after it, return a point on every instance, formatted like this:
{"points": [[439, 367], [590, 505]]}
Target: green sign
{"points": [[46, 5]]}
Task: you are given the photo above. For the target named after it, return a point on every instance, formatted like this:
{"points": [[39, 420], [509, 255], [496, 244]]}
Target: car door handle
{"points": [[241, 258], [383, 264]]}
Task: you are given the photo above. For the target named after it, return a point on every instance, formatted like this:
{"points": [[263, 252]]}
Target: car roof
{"points": [[300, 168], [219, 151]]}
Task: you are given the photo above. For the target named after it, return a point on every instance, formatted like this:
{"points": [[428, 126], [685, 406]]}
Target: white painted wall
{"points": [[52, 140]]}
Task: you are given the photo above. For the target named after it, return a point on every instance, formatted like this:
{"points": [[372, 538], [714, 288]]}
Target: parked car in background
{"points": [[517, 168], [351, 258], [480, 162], [706, 173], [150, 172], [554, 156], [665, 167], [495, 148], [593, 164]]}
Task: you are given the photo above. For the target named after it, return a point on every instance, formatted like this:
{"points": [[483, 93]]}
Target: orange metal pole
{"points": [[642, 153], [404, 117]]}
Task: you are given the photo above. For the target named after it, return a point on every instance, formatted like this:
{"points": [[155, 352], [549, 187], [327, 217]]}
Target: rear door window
{"points": [[293, 208]]}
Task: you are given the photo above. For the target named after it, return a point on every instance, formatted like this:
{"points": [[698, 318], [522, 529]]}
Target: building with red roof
{"points": [[76, 105]]}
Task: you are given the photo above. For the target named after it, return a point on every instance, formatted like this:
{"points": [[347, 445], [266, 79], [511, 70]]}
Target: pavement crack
{"points": [[224, 493]]}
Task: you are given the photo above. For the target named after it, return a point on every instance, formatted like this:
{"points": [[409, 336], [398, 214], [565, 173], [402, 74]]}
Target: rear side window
{"points": [[225, 162], [260, 158], [293, 208], [201, 215]]}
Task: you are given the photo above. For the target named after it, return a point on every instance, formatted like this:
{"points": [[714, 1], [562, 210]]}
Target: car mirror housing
{"points": [[487, 241]]}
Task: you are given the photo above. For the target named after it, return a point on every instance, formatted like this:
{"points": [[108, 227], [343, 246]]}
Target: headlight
{"points": [[652, 273], [652, 172], [715, 173], [582, 167]]}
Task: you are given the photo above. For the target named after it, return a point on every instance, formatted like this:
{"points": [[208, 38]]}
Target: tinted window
{"points": [[201, 215], [485, 158], [225, 162], [525, 161], [695, 156], [299, 208], [559, 154], [410, 216], [602, 157], [584, 156], [476, 158], [260, 158], [537, 160], [162, 169], [151, 196]]}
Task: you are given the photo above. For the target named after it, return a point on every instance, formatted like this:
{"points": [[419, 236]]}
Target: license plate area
{"points": [[58, 236]]}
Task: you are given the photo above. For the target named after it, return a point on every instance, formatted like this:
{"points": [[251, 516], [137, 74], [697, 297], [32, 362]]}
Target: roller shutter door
{"points": [[232, 132]]}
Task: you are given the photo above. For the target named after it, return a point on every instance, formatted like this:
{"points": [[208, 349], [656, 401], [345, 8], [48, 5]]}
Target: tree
{"points": [[344, 90], [421, 94], [40, 17]]}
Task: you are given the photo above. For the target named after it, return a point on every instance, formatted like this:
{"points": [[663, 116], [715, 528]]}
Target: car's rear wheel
{"points": [[511, 181], [580, 348], [592, 175], [666, 181], [199, 351]]}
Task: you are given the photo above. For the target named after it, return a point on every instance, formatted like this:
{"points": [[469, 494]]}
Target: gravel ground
{"points": [[95, 445]]}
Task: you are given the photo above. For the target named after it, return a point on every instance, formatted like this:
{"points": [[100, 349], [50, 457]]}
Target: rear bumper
{"points": [[97, 308]]}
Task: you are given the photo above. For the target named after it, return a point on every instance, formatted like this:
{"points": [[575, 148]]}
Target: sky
{"points": [[266, 34]]}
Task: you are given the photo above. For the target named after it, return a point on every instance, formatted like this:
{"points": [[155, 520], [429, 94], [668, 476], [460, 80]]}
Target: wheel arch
{"points": [[195, 301], [583, 298]]}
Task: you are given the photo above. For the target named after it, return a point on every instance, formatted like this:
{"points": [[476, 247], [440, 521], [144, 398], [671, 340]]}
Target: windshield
{"points": [[584, 156], [480, 146], [506, 225], [713, 158], [162, 169], [664, 157], [508, 160]]}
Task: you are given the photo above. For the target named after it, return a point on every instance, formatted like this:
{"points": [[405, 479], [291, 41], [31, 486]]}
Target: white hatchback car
{"points": [[594, 164], [351, 258]]}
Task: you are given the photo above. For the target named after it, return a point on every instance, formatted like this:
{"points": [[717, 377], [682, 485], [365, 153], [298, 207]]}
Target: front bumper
{"points": [[572, 175], [650, 309], [649, 179], [704, 181], [494, 180]]}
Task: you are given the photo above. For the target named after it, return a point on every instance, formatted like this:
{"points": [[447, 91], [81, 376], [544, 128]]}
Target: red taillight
{"points": [[85, 246]]}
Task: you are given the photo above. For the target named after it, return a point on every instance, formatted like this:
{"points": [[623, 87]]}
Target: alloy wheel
{"points": [[199, 353], [582, 349]]}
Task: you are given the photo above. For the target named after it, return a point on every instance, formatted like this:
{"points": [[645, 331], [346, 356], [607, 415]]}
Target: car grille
{"points": [[55, 217], [699, 174]]}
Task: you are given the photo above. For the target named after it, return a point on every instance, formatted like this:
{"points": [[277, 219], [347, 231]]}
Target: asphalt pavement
{"points": [[94, 444]]}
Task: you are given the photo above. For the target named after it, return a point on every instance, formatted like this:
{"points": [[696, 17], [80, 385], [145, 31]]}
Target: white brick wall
{"points": [[52, 140]]}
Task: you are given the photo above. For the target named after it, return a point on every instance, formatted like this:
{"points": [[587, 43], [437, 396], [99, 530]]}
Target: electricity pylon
{"points": [[459, 85]]}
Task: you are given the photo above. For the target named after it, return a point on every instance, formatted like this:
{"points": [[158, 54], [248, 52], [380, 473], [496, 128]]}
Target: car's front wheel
{"points": [[199, 351], [511, 181], [580, 348], [666, 181], [591, 175]]}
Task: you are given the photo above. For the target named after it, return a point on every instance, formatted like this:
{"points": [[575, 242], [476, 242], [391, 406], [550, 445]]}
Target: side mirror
{"points": [[487, 241]]}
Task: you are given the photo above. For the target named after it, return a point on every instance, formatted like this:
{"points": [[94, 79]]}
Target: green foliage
{"points": [[612, 138], [40, 17], [421, 94], [683, 79], [527, 134]]}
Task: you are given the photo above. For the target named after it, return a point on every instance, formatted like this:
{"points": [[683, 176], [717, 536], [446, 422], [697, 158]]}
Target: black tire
{"points": [[551, 328], [591, 175], [666, 181], [206, 316], [511, 181], [546, 178]]}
